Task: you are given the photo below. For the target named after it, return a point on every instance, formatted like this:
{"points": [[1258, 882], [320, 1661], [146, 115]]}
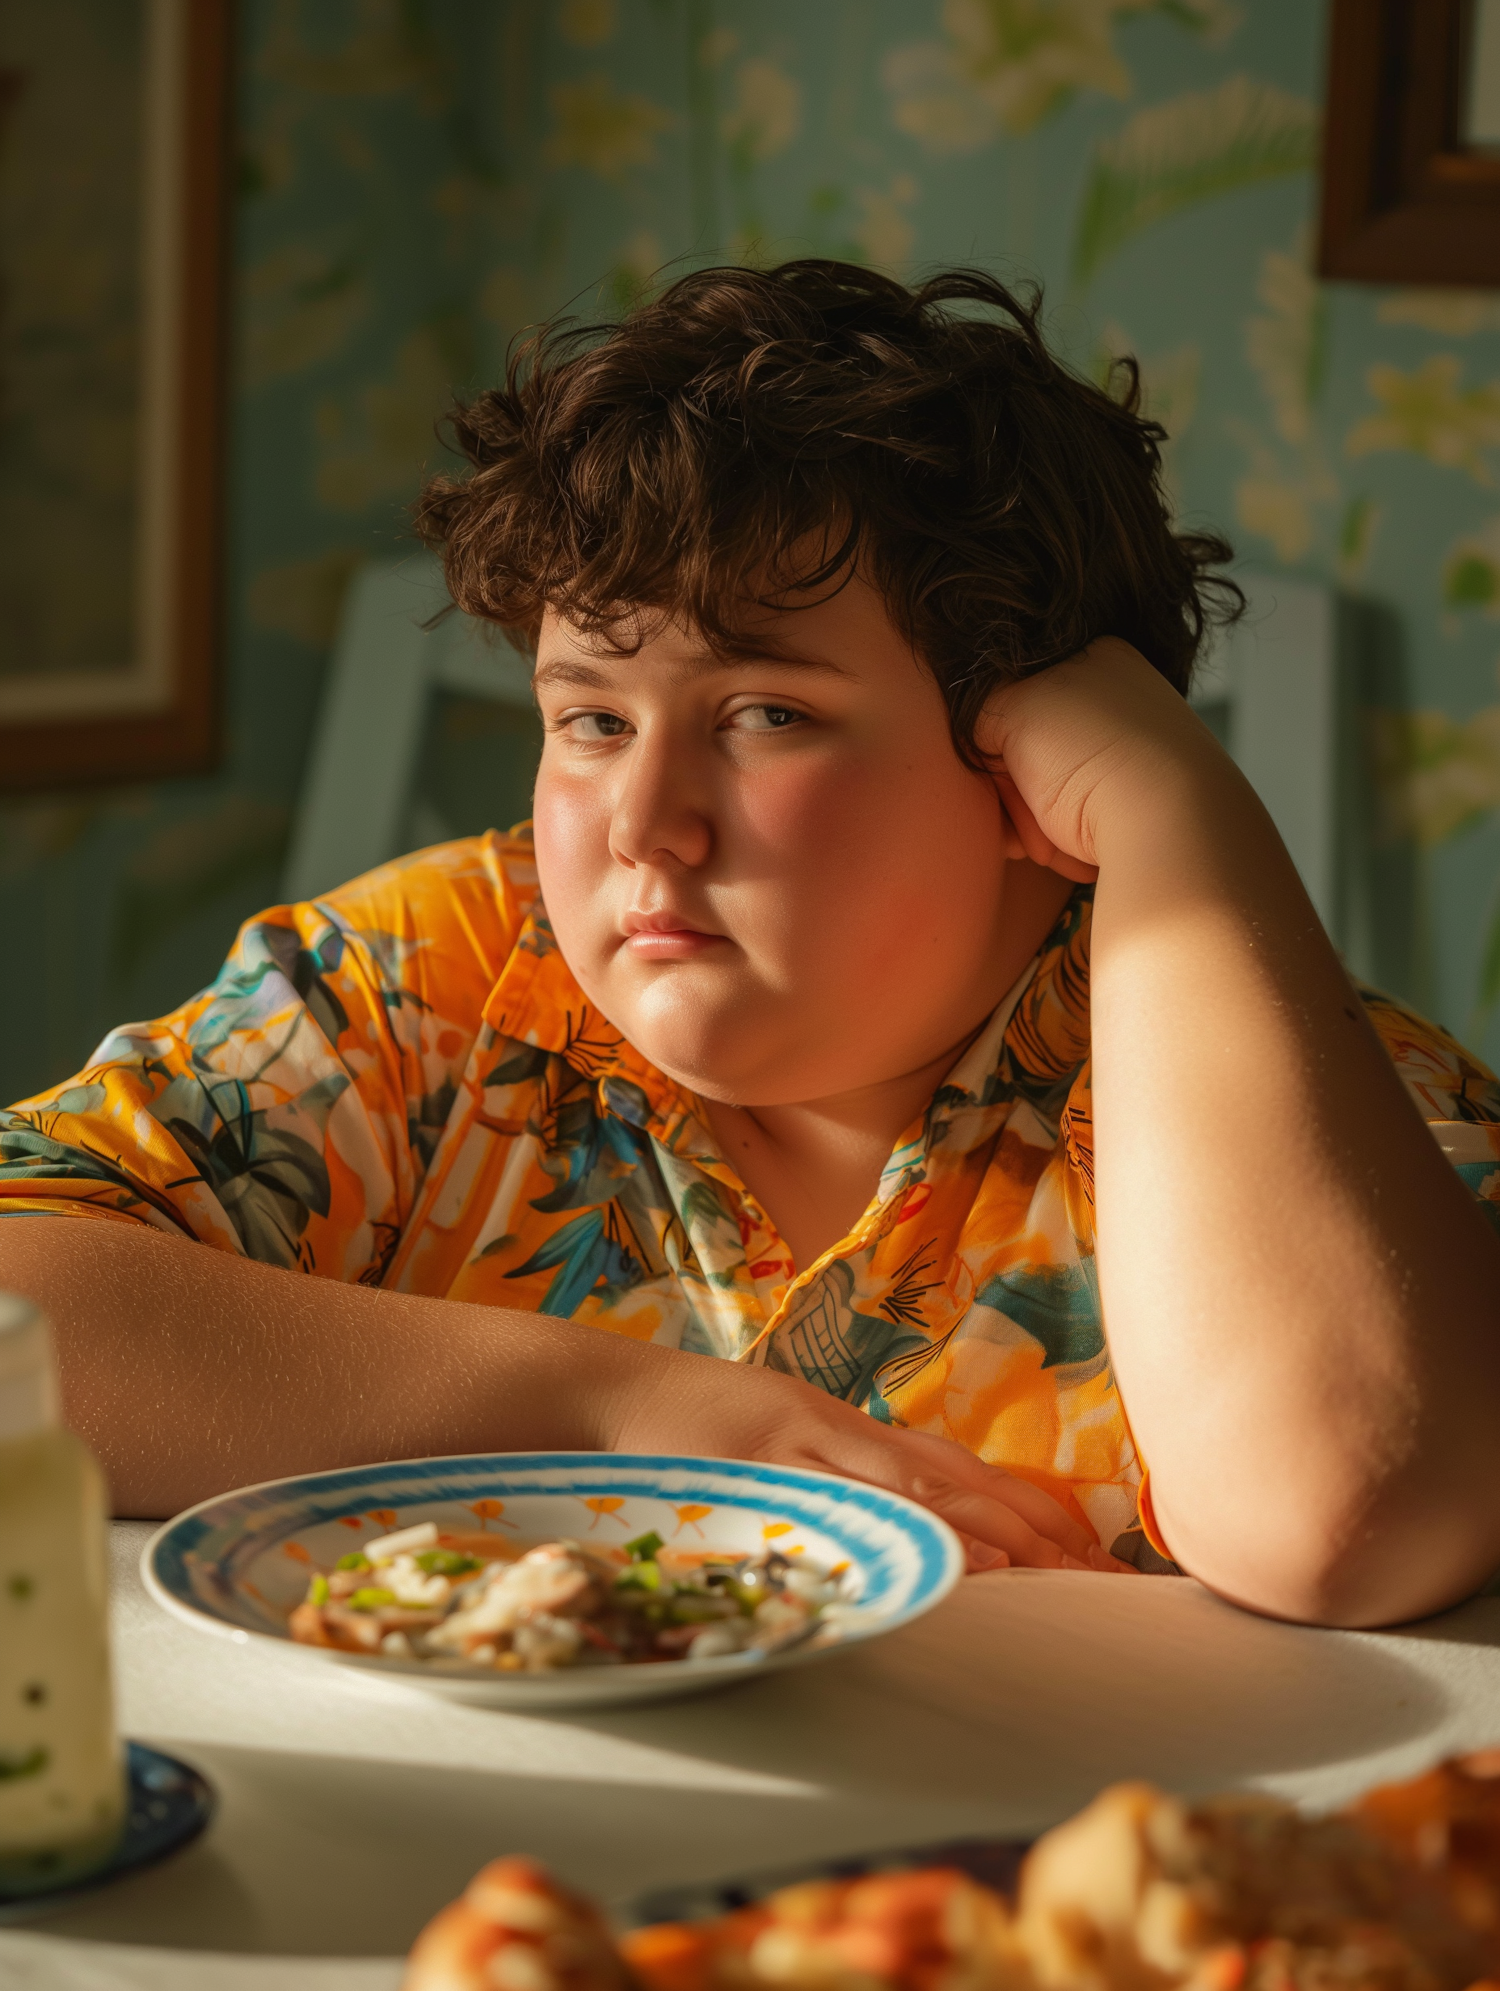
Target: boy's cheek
{"points": [[850, 854], [571, 817], [883, 854], [811, 817], [571, 831]]}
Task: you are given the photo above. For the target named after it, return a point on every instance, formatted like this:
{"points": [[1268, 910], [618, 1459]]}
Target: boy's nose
{"points": [[658, 817]]}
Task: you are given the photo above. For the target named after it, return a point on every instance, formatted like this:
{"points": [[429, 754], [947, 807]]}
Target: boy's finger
{"points": [[1045, 1514], [979, 1557], [1033, 839], [990, 1522], [1035, 1506], [948, 1487]]}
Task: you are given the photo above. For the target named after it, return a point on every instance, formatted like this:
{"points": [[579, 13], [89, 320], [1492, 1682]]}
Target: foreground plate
{"points": [[995, 1862], [237, 1564]]}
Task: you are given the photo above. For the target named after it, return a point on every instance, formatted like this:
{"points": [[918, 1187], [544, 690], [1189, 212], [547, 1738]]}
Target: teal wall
{"points": [[418, 180]]}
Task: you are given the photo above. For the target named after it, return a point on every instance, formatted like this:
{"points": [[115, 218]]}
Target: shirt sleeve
{"points": [[289, 1112], [1456, 1095]]}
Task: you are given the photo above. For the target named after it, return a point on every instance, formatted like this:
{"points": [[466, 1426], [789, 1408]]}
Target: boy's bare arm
{"points": [[1302, 1301], [190, 1371]]}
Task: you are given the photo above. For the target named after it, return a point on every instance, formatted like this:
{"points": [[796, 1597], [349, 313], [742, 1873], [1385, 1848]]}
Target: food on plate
{"points": [[424, 1593], [1138, 1892], [1141, 1889], [1447, 1822], [932, 1929], [514, 1929]]}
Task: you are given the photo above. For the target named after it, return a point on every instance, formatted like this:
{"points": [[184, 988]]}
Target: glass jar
{"points": [[62, 1783]]}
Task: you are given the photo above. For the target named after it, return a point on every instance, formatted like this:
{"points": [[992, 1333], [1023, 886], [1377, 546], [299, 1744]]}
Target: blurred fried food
{"points": [[515, 1929], [1139, 1892]]}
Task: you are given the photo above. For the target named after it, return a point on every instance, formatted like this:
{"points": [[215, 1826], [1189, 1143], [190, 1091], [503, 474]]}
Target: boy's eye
{"points": [[764, 718], [596, 726]]}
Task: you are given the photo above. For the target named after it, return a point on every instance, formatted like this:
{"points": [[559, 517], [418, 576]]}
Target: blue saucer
{"points": [[169, 1805]]}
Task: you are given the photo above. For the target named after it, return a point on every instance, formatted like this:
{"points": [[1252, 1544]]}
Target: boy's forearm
{"points": [[189, 1371], [1303, 1304]]}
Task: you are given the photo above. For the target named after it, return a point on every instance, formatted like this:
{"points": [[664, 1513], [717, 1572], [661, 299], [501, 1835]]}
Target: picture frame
{"points": [[112, 383], [1406, 199]]}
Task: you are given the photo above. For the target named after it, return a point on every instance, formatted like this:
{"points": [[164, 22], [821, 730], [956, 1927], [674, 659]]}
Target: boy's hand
{"points": [[1073, 744], [724, 1410]]}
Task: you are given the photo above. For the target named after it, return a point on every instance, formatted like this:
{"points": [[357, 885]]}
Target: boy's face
{"points": [[773, 874]]}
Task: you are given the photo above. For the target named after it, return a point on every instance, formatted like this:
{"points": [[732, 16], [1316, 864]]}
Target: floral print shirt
{"points": [[401, 1084]]}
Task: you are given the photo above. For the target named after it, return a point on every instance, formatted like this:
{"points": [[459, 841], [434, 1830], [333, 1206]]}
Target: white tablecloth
{"points": [[349, 1812]]}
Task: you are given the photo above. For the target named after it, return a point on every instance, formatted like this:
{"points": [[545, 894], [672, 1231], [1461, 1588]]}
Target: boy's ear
{"points": [[1011, 839]]}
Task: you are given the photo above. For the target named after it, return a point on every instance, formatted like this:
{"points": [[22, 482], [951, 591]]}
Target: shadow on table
{"points": [[1475, 1623], [1031, 1690], [1001, 1712], [338, 1856]]}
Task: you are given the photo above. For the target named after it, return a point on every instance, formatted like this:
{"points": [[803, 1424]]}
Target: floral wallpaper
{"points": [[419, 178]]}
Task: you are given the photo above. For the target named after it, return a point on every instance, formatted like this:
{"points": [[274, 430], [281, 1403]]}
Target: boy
{"points": [[861, 638]]}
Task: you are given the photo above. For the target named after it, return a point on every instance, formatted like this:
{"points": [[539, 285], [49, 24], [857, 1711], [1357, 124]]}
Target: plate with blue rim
{"points": [[237, 1565]]}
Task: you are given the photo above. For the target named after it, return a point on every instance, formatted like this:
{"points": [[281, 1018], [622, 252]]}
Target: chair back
{"points": [[389, 659], [1270, 689]]}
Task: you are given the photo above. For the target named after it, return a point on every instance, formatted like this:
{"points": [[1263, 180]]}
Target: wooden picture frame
{"points": [[1404, 200], [71, 713]]}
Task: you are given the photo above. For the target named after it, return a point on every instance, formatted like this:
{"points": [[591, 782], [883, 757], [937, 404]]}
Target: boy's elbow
{"points": [[1351, 1565]]}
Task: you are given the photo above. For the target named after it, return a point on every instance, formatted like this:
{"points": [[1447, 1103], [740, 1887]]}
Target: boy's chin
{"points": [[712, 1062], [732, 1079], [735, 1047], [723, 1082]]}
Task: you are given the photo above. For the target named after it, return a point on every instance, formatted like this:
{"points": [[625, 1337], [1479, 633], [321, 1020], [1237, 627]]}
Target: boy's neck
{"points": [[814, 1165]]}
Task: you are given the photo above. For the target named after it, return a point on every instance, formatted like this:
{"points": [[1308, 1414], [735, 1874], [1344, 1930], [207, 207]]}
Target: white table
{"points": [[350, 1812]]}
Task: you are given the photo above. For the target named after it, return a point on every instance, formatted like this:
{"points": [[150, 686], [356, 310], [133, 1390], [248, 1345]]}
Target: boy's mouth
{"points": [[665, 936]]}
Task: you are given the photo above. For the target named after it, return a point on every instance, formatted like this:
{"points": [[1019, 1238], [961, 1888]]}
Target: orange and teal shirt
{"points": [[402, 1085]]}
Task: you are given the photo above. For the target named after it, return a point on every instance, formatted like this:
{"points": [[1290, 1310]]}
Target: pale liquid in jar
{"points": [[62, 1787]]}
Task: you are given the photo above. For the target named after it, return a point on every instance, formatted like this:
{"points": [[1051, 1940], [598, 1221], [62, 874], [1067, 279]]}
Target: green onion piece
{"points": [[639, 1576], [371, 1599], [355, 1559], [14, 1764], [447, 1562], [318, 1593], [645, 1548]]}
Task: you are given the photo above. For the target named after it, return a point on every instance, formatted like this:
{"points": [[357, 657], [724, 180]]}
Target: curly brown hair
{"points": [[753, 434]]}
